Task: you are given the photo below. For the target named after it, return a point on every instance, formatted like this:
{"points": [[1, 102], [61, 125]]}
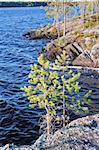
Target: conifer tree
{"points": [[49, 85]]}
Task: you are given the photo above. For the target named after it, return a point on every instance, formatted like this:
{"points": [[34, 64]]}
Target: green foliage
{"points": [[61, 40], [50, 85], [89, 7], [90, 24], [42, 90]]}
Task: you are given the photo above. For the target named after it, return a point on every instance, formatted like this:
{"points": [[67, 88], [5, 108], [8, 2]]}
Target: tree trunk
{"points": [[64, 12], [63, 101], [97, 11], [84, 13], [48, 128], [57, 19], [48, 122]]}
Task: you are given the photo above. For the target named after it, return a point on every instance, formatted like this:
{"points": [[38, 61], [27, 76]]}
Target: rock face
{"points": [[68, 44], [80, 134], [77, 42], [84, 60], [81, 51], [50, 31], [88, 59], [95, 55]]}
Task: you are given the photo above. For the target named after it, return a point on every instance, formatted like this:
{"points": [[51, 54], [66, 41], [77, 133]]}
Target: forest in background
{"points": [[22, 4]]}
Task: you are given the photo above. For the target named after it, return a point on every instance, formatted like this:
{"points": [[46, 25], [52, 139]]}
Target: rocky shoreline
{"points": [[80, 134], [81, 43], [50, 31]]}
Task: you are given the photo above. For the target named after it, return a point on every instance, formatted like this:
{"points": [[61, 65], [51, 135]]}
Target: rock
{"points": [[92, 31], [55, 47], [6, 147], [89, 41], [95, 51], [50, 31], [87, 59], [86, 121], [84, 60], [80, 134], [74, 50], [95, 54]]}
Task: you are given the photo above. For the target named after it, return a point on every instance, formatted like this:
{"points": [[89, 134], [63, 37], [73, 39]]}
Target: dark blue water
{"points": [[18, 123]]}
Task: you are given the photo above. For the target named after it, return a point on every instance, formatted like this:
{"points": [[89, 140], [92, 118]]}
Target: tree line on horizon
{"points": [[22, 4]]}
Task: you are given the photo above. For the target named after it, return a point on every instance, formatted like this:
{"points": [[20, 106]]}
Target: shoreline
{"points": [[6, 4], [76, 135], [80, 43]]}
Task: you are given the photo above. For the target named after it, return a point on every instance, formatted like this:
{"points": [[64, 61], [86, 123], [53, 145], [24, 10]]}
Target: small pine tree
{"points": [[50, 85]]}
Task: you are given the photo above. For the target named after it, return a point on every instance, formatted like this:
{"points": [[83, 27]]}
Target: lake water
{"points": [[19, 123]]}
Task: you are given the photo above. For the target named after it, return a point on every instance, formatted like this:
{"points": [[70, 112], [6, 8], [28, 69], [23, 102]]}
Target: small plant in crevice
{"points": [[53, 87]]}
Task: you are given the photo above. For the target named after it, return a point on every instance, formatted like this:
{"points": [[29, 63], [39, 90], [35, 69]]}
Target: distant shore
{"points": [[22, 4]]}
